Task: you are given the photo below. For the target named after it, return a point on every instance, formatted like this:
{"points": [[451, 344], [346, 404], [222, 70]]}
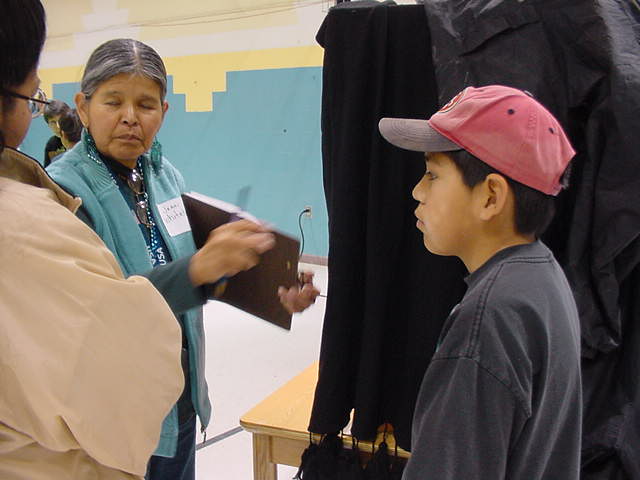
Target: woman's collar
{"points": [[153, 156]]}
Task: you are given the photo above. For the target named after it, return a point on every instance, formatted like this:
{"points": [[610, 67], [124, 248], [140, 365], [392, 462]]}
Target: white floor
{"points": [[247, 359]]}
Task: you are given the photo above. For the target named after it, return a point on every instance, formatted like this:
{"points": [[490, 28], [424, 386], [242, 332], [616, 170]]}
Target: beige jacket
{"points": [[89, 361]]}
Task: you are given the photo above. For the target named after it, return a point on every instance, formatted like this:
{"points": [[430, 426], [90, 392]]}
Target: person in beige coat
{"points": [[82, 349]]}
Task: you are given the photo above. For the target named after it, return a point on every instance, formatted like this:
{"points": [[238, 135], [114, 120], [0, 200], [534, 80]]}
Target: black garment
{"points": [[388, 296], [581, 58], [54, 145], [501, 397]]}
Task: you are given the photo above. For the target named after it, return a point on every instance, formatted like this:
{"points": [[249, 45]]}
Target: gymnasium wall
{"points": [[245, 79]]}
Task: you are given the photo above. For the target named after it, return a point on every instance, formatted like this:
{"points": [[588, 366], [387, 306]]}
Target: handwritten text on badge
{"points": [[174, 216]]}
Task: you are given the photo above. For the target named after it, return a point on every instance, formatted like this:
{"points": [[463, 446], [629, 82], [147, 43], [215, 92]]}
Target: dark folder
{"points": [[254, 290]]}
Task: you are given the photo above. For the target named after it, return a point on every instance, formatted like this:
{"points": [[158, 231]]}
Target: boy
{"points": [[501, 398]]}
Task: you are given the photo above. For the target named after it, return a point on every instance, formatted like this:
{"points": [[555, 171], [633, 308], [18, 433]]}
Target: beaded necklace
{"points": [[141, 209]]}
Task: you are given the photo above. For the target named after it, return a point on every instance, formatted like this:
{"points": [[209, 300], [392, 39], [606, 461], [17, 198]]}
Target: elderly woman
{"points": [[80, 395], [119, 172]]}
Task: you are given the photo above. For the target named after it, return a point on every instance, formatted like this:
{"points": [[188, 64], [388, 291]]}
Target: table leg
{"points": [[263, 468]]}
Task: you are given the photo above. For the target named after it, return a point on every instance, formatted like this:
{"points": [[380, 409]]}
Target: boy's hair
{"points": [[55, 108], [533, 210], [70, 125]]}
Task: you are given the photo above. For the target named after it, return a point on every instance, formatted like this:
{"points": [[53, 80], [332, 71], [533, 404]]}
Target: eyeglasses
{"points": [[36, 103], [135, 183]]}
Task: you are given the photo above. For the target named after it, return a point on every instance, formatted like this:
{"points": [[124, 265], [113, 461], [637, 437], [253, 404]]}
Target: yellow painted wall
{"points": [[198, 75], [76, 27], [70, 22]]}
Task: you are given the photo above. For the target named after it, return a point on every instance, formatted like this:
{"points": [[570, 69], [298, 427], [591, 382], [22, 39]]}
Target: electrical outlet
{"points": [[308, 211]]}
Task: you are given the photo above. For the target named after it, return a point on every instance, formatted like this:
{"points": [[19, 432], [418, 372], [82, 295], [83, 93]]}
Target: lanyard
{"points": [[141, 208]]}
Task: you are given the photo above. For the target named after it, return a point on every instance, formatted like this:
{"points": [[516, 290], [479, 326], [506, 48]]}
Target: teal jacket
{"points": [[113, 222]]}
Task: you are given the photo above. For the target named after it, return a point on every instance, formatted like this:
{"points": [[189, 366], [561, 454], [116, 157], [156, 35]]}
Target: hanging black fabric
{"points": [[321, 461], [351, 466], [329, 460], [387, 295], [379, 467], [581, 58]]}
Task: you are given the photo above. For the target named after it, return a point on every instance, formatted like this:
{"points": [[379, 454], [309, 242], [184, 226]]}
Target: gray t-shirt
{"points": [[501, 398]]}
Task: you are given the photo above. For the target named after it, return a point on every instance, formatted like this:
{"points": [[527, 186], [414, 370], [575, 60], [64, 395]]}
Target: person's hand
{"points": [[299, 298], [230, 248]]}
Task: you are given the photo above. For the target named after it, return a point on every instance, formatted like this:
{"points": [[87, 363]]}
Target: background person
{"points": [[52, 112], [125, 184], [80, 346], [70, 129]]}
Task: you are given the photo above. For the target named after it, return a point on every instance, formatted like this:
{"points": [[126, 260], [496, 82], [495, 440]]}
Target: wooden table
{"points": [[279, 426]]}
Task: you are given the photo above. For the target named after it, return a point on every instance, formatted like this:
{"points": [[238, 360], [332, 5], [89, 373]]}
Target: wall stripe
{"points": [[197, 76]]}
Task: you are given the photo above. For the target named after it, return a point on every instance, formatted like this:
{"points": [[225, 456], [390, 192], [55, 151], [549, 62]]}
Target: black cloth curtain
{"points": [[581, 58], [388, 296]]}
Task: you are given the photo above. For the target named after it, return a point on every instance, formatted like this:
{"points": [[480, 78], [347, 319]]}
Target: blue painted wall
{"points": [[264, 132]]}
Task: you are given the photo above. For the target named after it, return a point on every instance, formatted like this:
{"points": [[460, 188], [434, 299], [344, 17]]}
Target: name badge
{"points": [[174, 216]]}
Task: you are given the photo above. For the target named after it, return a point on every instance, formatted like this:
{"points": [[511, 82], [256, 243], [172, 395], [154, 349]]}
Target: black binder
{"points": [[254, 291]]}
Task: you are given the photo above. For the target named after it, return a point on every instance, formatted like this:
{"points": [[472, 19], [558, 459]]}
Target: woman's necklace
{"points": [[135, 181]]}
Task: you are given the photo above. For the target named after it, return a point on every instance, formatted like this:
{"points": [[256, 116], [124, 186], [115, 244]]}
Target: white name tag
{"points": [[174, 216]]}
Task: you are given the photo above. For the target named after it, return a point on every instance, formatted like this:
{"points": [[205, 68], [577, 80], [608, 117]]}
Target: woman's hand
{"points": [[298, 299], [230, 248]]}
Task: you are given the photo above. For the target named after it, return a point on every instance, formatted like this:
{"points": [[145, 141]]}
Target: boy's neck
{"points": [[488, 246]]}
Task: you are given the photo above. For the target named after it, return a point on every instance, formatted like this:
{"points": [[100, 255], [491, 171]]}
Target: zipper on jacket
{"points": [[203, 431]]}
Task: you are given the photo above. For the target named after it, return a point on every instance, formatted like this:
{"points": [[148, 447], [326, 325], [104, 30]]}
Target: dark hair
{"points": [[55, 108], [22, 34], [534, 210], [70, 125], [123, 55]]}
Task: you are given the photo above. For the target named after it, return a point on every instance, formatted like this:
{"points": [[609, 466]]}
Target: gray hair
{"points": [[123, 55]]}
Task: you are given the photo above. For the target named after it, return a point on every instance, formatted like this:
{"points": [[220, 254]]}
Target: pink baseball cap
{"points": [[504, 127]]}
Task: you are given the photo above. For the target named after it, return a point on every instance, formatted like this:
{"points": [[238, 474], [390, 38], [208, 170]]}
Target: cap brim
{"points": [[416, 135]]}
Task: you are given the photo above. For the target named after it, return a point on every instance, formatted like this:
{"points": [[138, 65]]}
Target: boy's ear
{"points": [[494, 195]]}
